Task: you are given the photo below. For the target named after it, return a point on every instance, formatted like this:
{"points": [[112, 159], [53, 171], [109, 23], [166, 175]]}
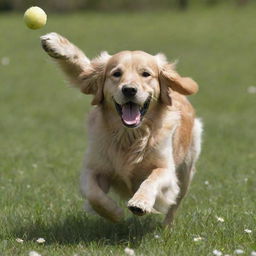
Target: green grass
{"points": [[42, 135]]}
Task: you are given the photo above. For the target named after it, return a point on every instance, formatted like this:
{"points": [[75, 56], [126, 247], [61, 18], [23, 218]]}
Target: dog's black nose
{"points": [[129, 91]]}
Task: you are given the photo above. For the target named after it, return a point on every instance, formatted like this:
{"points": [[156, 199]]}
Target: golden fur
{"points": [[151, 164]]}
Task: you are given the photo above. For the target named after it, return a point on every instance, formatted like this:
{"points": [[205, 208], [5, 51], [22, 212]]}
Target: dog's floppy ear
{"points": [[171, 80], [92, 78], [183, 85]]}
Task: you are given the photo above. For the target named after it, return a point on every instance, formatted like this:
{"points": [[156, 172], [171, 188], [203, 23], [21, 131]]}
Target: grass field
{"points": [[42, 135]]}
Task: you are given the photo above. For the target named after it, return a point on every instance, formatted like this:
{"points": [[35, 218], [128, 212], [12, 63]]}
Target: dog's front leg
{"points": [[70, 58], [94, 187], [160, 179]]}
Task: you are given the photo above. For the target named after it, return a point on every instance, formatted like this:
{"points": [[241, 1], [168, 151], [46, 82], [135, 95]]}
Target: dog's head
{"points": [[132, 82]]}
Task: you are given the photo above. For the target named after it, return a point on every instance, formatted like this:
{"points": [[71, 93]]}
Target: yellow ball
{"points": [[35, 17]]}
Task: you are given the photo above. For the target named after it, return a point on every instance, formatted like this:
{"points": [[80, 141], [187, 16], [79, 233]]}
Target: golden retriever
{"points": [[144, 138]]}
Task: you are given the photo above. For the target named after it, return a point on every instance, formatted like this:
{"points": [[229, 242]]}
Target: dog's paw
{"points": [[88, 208], [140, 206], [56, 46]]}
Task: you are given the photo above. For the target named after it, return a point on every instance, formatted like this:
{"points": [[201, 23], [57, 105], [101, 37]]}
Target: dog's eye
{"points": [[146, 74], [117, 74]]}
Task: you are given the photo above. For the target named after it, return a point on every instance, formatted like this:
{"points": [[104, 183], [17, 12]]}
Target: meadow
{"points": [[43, 136]]}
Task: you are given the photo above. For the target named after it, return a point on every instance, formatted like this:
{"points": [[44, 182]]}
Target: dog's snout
{"points": [[129, 91]]}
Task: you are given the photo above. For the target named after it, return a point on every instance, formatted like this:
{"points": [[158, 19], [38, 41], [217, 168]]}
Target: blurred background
{"points": [[109, 5]]}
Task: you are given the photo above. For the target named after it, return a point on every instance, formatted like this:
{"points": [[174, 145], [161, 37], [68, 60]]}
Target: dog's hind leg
{"points": [[94, 187], [186, 170], [185, 175]]}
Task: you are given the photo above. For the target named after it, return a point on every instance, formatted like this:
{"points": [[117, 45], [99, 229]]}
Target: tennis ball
{"points": [[35, 17]]}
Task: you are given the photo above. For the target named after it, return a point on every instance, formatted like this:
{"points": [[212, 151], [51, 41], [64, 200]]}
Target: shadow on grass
{"points": [[80, 228]]}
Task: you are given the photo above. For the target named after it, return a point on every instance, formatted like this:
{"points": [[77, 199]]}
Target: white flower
{"points": [[34, 253], [220, 219], [253, 253], [5, 61], [248, 231], [238, 251], [40, 240], [198, 238], [19, 240], [251, 89], [129, 251], [217, 253], [20, 172], [157, 236], [206, 182]]}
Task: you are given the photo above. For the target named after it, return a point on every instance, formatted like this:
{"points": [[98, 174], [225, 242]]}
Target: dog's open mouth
{"points": [[132, 113]]}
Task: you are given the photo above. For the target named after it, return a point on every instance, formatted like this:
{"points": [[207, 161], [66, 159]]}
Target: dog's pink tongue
{"points": [[131, 113]]}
